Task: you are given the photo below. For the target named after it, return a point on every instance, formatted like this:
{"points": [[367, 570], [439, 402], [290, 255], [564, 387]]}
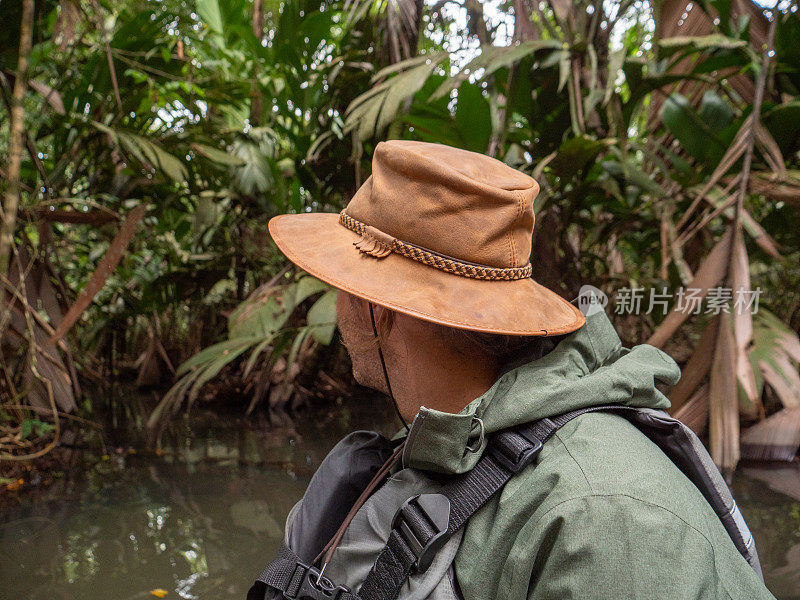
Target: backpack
{"points": [[425, 522]]}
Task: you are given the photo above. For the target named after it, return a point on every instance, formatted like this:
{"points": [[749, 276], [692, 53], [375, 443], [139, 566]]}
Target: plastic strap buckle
{"points": [[435, 508], [314, 586], [503, 450]]}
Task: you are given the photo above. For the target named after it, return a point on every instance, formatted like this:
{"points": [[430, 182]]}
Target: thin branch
{"points": [[103, 271], [112, 71], [751, 138]]}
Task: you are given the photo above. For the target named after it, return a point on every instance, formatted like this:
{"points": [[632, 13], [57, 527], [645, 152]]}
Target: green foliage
{"points": [[775, 345], [702, 133], [253, 327], [35, 426], [219, 128]]}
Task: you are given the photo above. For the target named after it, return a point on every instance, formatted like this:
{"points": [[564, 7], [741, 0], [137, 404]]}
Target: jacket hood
{"points": [[586, 368]]}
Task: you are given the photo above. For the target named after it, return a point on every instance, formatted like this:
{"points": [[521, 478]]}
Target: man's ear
{"points": [[384, 320]]}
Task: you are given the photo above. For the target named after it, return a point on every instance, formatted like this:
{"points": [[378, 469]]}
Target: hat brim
{"points": [[319, 245]]}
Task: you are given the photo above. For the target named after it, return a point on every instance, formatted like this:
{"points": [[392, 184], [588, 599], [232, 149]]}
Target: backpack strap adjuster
{"points": [[513, 450], [314, 586], [422, 522]]}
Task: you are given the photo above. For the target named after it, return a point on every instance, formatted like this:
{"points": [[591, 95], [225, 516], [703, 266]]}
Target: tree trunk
{"points": [[16, 145]]}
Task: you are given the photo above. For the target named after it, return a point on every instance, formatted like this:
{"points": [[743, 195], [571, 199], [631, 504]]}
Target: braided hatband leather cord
{"points": [[442, 262]]}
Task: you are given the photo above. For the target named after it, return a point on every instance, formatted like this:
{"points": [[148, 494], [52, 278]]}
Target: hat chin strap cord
{"points": [[383, 366]]}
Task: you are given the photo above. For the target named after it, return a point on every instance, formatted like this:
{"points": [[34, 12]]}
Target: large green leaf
{"points": [[210, 14], [696, 135], [268, 309], [217, 155], [783, 122], [146, 151], [373, 110], [492, 58], [321, 318], [715, 112], [255, 174], [218, 355], [575, 154]]}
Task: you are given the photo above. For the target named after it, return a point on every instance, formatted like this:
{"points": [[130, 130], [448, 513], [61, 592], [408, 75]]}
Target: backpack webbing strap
{"points": [[295, 580], [419, 531]]}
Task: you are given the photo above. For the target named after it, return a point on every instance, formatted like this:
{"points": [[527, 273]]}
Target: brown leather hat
{"points": [[437, 233]]}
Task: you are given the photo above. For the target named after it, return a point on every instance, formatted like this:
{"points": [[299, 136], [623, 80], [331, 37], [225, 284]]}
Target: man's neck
{"points": [[443, 381]]}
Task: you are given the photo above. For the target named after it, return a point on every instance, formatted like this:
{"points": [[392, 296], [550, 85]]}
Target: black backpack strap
{"points": [[426, 522]]}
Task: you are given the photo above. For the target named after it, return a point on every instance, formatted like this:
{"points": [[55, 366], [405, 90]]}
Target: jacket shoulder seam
{"points": [[575, 460]]}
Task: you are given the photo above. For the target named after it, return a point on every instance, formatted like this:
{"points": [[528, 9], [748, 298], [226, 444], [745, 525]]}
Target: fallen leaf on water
{"points": [[15, 485], [159, 593]]}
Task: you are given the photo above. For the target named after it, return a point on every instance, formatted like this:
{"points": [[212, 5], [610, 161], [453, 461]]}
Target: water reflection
{"points": [[769, 497], [201, 520]]}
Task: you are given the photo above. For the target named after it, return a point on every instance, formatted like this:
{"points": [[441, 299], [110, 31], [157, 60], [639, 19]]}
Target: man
{"points": [[438, 310]]}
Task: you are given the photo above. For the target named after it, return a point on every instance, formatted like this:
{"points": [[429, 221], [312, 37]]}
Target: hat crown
{"points": [[454, 202]]}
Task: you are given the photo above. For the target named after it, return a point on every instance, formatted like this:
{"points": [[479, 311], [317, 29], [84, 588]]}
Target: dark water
{"points": [[201, 520]]}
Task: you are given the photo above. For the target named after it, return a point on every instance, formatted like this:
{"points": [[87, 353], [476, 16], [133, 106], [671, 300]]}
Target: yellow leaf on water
{"points": [[159, 593]]}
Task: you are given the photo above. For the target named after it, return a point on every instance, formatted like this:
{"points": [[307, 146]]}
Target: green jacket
{"points": [[604, 513]]}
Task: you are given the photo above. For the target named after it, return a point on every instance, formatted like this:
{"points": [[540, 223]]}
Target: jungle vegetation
{"points": [[144, 145]]}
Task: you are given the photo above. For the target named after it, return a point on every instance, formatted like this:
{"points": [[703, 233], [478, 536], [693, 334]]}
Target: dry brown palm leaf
{"points": [[783, 188], [94, 217], [769, 149], [723, 405], [103, 271], [710, 273], [694, 413], [775, 438], [696, 369], [743, 328]]}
